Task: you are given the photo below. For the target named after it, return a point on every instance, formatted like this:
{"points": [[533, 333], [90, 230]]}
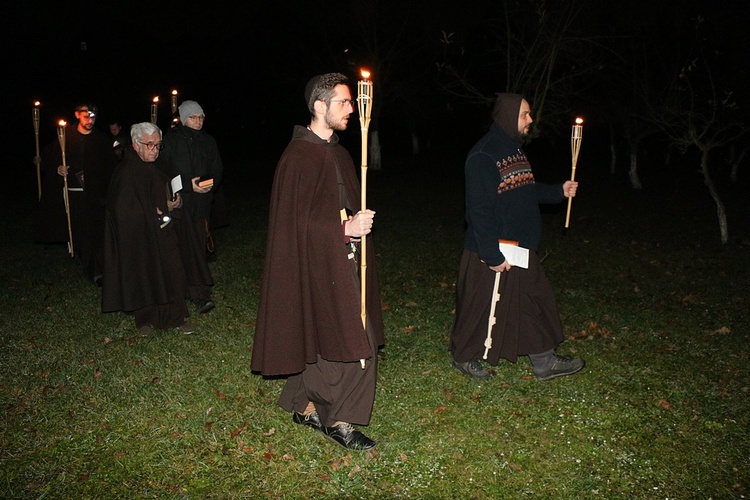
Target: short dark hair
{"points": [[320, 88]]}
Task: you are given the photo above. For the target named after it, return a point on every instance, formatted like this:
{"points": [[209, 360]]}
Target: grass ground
{"points": [[648, 297]]}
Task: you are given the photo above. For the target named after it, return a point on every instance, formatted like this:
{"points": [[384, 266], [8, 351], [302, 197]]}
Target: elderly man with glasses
{"points": [[144, 272]]}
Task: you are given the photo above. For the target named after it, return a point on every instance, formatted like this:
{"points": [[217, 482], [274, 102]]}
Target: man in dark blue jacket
{"points": [[502, 203]]}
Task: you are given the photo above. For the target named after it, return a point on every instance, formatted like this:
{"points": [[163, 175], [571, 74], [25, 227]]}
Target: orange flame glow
{"points": [[62, 123], [365, 73], [579, 120], [156, 99]]}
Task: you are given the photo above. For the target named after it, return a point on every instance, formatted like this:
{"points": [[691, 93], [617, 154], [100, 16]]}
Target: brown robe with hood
{"points": [[309, 303], [502, 202]]}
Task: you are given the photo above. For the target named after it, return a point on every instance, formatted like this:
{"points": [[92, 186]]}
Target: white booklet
{"points": [[516, 256], [176, 184]]}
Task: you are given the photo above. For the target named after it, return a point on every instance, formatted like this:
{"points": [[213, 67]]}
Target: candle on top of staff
{"points": [[154, 109], [174, 101]]}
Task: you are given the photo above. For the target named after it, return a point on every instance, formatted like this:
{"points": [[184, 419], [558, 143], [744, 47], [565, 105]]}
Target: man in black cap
{"points": [[90, 161], [502, 203], [309, 324]]}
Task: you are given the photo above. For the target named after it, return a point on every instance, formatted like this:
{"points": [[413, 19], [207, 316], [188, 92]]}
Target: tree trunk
{"points": [[735, 159], [612, 150], [720, 210], [375, 161], [635, 182]]}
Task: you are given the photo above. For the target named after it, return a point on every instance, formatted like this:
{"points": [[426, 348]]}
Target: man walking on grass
{"points": [[309, 324], [502, 203]]}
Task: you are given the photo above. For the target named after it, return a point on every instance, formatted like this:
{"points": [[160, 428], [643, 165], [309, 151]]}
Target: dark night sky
{"points": [[245, 62]]}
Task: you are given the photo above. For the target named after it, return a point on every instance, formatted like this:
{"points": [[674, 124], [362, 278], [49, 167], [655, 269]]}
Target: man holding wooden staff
{"points": [[309, 324], [90, 163], [502, 203]]}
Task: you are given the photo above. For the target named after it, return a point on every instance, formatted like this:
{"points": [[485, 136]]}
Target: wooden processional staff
{"points": [[364, 103], [61, 138], [37, 159], [575, 147]]}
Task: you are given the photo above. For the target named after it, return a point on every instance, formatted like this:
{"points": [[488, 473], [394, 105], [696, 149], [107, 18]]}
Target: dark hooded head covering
{"points": [[505, 114]]}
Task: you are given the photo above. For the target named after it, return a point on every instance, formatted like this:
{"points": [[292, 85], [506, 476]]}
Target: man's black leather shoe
{"points": [[348, 437], [311, 419], [203, 306]]}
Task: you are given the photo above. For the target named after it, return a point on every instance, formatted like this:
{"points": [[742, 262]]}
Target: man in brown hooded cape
{"points": [[309, 324], [502, 203]]}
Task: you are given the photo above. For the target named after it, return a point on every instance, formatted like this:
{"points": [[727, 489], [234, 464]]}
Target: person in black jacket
{"points": [[193, 154], [89, 163], [502, 203], [144, 272]]}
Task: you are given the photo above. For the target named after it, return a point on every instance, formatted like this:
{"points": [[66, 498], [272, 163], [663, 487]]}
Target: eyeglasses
{"points": [[150, 145], [345, 102]]}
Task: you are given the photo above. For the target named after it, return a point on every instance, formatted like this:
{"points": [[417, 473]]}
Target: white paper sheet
{"points": [[516, 256]]}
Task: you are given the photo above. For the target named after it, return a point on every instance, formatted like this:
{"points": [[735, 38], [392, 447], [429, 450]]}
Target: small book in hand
{"points": [[205, 182]]}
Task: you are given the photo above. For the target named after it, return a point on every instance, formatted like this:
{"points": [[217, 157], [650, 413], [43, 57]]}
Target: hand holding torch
{"points": [[575, 147]]}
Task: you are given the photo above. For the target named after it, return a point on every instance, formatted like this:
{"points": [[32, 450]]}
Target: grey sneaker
{"points": [[186, 328], [473, 369], [559, 366]]}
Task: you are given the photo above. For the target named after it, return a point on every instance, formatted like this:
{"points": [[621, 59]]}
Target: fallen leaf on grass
{"points": [[721, 331], [208, 425], [689, 300], [268, 456], [440, 409], [219, 393], [355, 470], [324, 477], [288, 457], [270, 432], [448, 394], [408, 329], [665, 404], [411, 304], [239, 429]]}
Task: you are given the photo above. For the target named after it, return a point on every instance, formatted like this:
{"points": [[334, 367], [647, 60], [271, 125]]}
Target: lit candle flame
{"points": [[37, 103], [62, 123], [579, 120], [174, 92], [156, 99], [365, 74]]}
